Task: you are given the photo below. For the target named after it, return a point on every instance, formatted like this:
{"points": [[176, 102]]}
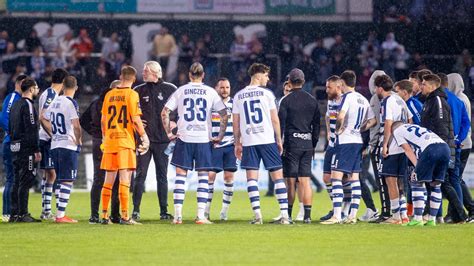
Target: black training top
{"points": [[153, 97], [24, 127], [299, 120]]}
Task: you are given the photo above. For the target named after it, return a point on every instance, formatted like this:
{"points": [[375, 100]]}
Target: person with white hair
{"points": [[154, 93]]}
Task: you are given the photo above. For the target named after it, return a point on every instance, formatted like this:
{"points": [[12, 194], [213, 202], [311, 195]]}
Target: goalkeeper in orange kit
{"points": [[120, 118]]}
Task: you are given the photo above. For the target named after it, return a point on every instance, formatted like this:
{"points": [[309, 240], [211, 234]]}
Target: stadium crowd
{"points": [[98, 57], [416, 132]]}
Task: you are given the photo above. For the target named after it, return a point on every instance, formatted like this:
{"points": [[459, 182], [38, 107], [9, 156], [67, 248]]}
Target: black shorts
{"points": [[297, 163]]}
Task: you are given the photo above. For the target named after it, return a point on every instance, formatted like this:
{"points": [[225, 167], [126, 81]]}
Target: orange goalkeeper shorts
{"points": [[123, 159]]}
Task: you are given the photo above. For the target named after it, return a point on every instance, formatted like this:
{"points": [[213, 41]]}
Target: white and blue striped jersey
{"points": [[195, 102], [393, 108], [216, 125], [253, 105], [418, 137], [357, 110], [45, 100], [331, 114], [61, 113]]}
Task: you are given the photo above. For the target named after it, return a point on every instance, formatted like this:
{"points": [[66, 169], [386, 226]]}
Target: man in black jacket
{"points": [[153, 96], [90, 122], [23, 128], [300, 123], [436, 116]]}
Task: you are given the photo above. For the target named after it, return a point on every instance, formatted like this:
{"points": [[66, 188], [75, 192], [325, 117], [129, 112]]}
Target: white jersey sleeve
{"points": [[172, 102], [46, 99], [356, 109], [395, 109]]}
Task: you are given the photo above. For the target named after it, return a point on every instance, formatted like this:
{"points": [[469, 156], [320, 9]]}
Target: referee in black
{"points": [[299, 121], [153, 96], [90, 122], [24, 128]]}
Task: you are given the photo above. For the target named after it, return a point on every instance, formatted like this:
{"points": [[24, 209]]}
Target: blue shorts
{"points": [[46, 157], [223, 159], [268, 153], [347, 158], [65, 163], [394, 165], [328, 160], [189, 156], [433, 163]]}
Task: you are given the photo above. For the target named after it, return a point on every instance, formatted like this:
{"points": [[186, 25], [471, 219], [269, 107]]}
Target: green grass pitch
{"points": [[231, 242]]}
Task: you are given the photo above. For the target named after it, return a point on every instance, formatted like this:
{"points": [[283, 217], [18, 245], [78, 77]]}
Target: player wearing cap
{"points": [[299, 122]]}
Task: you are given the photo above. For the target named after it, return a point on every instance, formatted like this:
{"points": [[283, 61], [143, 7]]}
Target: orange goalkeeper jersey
{"points": [[120, 105]]}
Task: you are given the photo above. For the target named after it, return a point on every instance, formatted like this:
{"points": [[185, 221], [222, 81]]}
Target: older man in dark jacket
{"points": [[436, 116]]}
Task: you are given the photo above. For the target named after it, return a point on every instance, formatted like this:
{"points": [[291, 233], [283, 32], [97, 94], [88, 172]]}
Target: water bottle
{"points": [[169, 150]]}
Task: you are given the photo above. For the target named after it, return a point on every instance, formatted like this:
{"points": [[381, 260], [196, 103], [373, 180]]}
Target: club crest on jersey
{"points": [[160, 96], [146, 98]]}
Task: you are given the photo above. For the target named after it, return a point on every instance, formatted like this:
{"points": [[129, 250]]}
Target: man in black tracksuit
{"points": [[153, 96], [300, 123], [436, 116], [90, 122], [24, 134]]}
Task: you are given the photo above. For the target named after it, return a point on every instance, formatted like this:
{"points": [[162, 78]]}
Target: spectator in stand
{"points": [[319, 51], [49, 41], [84, 46], [298, 46], [109, 44], [201, 52], [239, 52], [58, 60], [3, 42], [286, 51], [37, 64], [186, 53], [465, 68], [257, 54], [416, 62], [164, 45], [104, 75], [363, 86], [9, 59], [32, 41], [117, 60], [370, 52], [324, 70], [209, 42], [340, 53], [401, 62], [388, 55], [66, 43]]}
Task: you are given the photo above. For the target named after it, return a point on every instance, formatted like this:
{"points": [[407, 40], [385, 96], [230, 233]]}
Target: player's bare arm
{"points": [[45, 123], [77, 130], [368, 124], [328, 129], [223, 125], [165, 119], [340, 122], [276, 128], [387, 133], [410, 153], [236, 128]]}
